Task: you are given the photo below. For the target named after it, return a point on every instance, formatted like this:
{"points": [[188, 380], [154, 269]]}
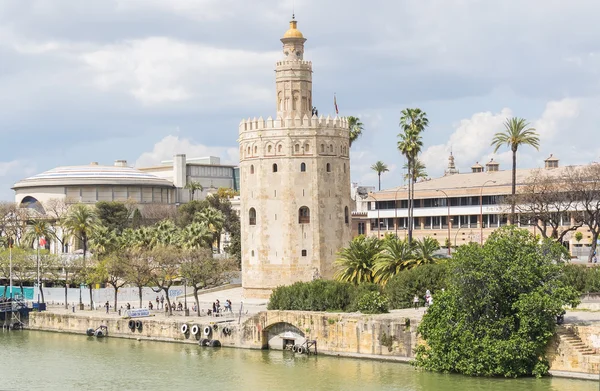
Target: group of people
{"points": [[428, 299], [216, 308]]}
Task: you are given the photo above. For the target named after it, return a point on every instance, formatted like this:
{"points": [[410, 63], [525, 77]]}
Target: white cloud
{"points": [[468, 142], [172, 145], [158, 69], [555, 114]]}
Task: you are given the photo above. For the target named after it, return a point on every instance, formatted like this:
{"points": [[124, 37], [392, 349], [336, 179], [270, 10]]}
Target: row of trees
{"points": [[370, 259], [126, 247]]}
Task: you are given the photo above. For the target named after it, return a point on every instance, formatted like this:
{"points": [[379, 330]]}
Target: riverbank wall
{"points": [[384, 336]]}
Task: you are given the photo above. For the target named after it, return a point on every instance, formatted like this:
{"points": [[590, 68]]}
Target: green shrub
{"points": [[402, 288], [320, 295], [373, 303], [582, 278]]}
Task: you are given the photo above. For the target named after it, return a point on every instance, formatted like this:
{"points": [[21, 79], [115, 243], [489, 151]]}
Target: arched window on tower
{"points": [[279, 148], [302, 167], [331, 148], [252, 216], [307, 147], [269, 149], [249, 151], [328, 167], [304, 215], [322, 148], [297, 148], [255, 150], [346, 215], [274, 167], [344, 167], [252, 169]]}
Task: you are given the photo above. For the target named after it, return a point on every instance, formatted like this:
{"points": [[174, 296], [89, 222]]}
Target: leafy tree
{"points": [[113, 215], [195, 235], [515, 134], [113, 268], [165, 263], [227, 193], [408, 283], [138, 269], [355, 127], [379, 167], [186, 213], [500, 308], [56, 210], [584, 186], [193, 187], [80, 222], [355, 262], [35, 233], [542, 202], [412, 122], [202, 271], [137, 220]]}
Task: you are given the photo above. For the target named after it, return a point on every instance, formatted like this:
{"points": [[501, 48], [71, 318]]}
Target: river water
{"points": [[34, 360]]}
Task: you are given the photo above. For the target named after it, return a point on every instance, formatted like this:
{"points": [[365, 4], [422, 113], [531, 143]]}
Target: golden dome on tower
{"points": [[293, 32]]}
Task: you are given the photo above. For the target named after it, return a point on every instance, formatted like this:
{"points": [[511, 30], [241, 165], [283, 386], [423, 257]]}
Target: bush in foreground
{"points": [[402, 288], [499, 310]]}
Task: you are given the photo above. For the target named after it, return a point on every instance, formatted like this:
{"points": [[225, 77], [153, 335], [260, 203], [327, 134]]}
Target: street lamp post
{"points": [[481, 210], [447, 219]]}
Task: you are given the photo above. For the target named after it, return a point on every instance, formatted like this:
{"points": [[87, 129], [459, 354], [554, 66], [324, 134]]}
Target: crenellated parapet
{"points": [[294, 63], [322, 122]]}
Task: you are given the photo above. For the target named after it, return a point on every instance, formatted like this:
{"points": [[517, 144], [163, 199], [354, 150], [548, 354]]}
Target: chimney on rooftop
{"points": [[120, 163], [477, 167], [492, 165], [551, 163]]}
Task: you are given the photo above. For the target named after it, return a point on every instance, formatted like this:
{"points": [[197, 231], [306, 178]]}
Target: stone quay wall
{"points": [[385, 336]]}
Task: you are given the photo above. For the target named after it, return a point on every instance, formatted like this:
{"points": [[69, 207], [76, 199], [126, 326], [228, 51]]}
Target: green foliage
{"points": [[405, 285], [137, 220], [499, 311], [578, 236], [369, 259], [373, 303], [320, 295], [582, 278], [113, 215]]}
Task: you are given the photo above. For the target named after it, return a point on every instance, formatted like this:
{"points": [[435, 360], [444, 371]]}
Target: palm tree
{"points": [[38, 230], [418, 171], [195, 235], [214, 220], [355, 127], [394, 257], [194, 186], [355, 262], [516, 133], [379, 167], [424, 252], [81, 221], [412, 122]]}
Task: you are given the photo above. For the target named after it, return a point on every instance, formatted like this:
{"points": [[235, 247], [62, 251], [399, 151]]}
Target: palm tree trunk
{"points": [[410, 183], [514, 186], [379, 175]]}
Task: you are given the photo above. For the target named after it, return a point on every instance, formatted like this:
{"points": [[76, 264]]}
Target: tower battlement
{"points": [[294, 63], [297, 122]]}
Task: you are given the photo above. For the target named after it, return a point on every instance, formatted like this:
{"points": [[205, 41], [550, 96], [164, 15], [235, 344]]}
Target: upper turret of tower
{"points": [[293, 42]]}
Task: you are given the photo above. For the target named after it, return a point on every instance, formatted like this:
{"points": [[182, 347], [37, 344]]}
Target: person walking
{"points": [[107, 305], [162, 301], [416, 301]]}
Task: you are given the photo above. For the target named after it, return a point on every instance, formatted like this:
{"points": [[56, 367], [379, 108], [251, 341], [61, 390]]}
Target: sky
{"points": [[142, 80]]}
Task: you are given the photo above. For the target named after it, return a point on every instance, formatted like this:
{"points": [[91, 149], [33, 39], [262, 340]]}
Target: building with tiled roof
{"points": [[459, 208]]}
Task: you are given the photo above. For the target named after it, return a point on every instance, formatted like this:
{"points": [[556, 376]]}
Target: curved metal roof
{"points": [[92, 174]]}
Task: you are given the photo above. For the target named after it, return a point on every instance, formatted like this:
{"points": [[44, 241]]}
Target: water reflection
{"points": [[50, 361]]}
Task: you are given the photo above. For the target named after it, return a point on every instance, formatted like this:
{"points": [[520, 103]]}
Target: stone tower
{"points": [[295, 181]]}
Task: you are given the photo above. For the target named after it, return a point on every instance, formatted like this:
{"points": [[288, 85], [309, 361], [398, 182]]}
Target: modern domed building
{"points": [[92, 183]]}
